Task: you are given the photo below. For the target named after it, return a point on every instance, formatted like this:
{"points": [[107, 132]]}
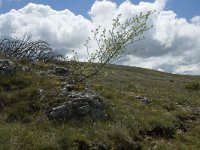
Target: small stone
{"points": [[41, 73], [100, 146], [60, 71], [143, 99], [25, 68], [66, 89], [7, 67], [41, 93]]}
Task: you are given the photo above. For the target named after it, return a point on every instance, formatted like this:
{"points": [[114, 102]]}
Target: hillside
{"points": [[145, 110]]}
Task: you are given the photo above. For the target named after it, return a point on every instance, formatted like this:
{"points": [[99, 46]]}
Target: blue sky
{"points": [[183, 8]]}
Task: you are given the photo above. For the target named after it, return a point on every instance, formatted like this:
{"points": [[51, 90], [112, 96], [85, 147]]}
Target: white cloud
{"points": [[196, 20], [172, 45], [62, 29], [102, 12]]}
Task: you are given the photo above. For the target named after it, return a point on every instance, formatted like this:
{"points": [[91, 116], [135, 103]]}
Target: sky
{"points": [[183, 8], [172, 45]]}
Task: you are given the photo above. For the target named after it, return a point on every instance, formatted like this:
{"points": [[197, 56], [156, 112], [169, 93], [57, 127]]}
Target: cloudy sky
{"points": [[172, 45]]}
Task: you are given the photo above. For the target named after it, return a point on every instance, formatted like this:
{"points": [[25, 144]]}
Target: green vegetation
{"points": [[193, 86], [170, 121], [112, 44]]}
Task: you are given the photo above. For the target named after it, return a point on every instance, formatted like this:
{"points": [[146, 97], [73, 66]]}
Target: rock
{"points": [[143, 99], [60, 71], [81, 104], [66, 88], [7, 67], [196, 111], [25, 68], [83, 145], [41, 73], [87, 103], [100, 146], [59, 113], [41, 93]]}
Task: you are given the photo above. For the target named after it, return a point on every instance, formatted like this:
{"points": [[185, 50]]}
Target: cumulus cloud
{"points": [[62, 29], [172, 45]]}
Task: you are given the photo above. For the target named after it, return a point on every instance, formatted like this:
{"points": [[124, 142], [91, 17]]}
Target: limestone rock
{"points": [[81, 104], [59, 113], [66, 88], [7, 67]]}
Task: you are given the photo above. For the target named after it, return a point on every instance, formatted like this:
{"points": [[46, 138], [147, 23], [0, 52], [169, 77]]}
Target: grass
{"points": [[170, 121]]}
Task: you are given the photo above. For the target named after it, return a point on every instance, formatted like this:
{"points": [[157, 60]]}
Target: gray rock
{"points": [[66, 88], [196, 111], [41, 93], [59, 113], [81, 104], [7, 67], [143, 99], [25, 68], [41, 73], [100, 146], [60, 71]]}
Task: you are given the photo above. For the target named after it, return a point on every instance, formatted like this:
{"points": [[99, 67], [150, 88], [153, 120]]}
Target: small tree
{"points": [[25, 47], [112, 45]]}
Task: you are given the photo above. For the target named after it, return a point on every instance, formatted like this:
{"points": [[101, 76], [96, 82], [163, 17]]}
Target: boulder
{"points": [[81, 104], [7, 67]]}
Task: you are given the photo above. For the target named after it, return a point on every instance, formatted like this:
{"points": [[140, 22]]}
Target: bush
{"points": [[192, 86], [25, 48]]}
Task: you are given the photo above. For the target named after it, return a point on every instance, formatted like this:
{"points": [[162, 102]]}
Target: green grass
{"points": [[170, 121]]}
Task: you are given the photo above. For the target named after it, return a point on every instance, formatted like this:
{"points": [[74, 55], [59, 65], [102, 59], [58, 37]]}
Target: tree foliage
{"points": [[111, 45]]}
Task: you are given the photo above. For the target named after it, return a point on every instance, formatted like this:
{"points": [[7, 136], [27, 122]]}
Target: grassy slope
{"points": [[168, 122]]}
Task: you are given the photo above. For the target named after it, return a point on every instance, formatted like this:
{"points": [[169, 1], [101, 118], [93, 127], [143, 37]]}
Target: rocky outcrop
{"points": [[7, 67], [81, 104]]}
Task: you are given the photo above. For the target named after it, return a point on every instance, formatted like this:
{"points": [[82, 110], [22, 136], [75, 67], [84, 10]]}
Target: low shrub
{"points": [[192, 86]]}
